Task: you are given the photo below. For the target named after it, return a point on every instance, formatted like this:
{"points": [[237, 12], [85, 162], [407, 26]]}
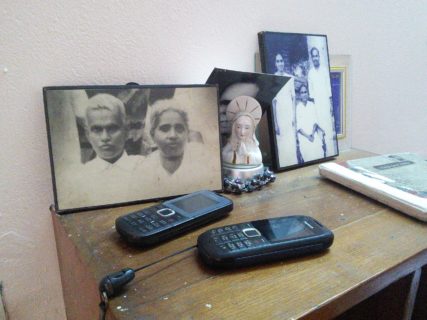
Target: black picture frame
{"points": [[117, 145], [261, 86], [303, 123]]}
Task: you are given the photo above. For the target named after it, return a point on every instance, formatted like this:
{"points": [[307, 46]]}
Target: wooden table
{"points": [[374, 269]]}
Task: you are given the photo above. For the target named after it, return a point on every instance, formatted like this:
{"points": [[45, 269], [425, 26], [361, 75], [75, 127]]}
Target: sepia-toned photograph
{"points": [[305, 124], [113, 145]]}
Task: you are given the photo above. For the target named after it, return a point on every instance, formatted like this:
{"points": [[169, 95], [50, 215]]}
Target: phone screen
{"points": [[283, 229], [192, 205]]}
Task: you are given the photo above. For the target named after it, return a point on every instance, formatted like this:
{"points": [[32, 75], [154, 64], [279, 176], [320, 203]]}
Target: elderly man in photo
{"points": [[319, 87], [107, 176]]}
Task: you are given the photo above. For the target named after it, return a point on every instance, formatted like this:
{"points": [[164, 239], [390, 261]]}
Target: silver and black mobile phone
{"points": [[263, 241], [158, 223]]}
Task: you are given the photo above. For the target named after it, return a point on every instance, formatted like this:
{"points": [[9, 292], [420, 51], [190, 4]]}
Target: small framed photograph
{"points": [[339, 98], [264, 88], [303, 122], [115, 145]]}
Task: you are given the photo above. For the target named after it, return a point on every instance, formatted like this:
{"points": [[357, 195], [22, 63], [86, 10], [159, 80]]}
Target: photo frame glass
{"points": [[303, 120], [112, 145]]}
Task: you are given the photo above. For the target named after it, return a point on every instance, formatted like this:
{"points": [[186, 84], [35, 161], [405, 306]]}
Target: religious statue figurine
{"points": [[242, 159], [244, 114]]}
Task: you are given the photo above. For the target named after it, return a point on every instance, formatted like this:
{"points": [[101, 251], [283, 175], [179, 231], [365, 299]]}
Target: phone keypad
{"points": [[149, 220], [233, 238]]}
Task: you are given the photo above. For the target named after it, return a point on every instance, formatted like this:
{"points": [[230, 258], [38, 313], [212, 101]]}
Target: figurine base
{"points": [[242, 172], [241, 178]]}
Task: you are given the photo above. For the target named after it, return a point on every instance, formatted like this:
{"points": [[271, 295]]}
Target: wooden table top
{"points": [[373, 246]]}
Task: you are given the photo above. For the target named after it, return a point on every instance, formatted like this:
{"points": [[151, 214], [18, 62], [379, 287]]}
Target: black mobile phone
{"points": [[158, 223], [262, 241]]}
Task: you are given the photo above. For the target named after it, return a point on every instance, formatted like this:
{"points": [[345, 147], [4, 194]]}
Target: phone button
{"points": [[248, 243], [231, 246], [166, 212], [240, 245], [233, 236], [225, 238], [251, 232]]}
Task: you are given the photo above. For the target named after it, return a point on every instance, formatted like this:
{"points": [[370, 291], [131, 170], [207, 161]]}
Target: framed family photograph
{"points": [[304, 122], [264, 88], [114, 145]]}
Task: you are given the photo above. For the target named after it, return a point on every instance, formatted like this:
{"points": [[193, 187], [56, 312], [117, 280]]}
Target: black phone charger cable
{"points": [[112, 284]]}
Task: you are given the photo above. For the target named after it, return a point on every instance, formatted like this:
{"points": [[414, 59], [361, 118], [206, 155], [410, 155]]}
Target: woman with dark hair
{"points": [[169, 131], [177, 166], [279, 62]]}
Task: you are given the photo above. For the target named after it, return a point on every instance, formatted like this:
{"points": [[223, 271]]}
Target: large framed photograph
{"points": [[266, 89], [304, 124], [114, 145]]}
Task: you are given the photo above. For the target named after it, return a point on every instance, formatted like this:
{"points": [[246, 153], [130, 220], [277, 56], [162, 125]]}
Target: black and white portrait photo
{"points": [[304, 123], [122, 144]]}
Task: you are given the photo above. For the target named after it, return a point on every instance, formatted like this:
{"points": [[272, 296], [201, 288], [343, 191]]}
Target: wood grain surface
{"points": [[374, 246]]}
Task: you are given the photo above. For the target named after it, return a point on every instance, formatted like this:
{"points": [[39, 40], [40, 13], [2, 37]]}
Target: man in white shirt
{"points": [[319, 87], [106, 177]]}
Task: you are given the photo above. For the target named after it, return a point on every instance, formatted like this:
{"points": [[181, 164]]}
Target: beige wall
{"points": [[86, 42]]}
